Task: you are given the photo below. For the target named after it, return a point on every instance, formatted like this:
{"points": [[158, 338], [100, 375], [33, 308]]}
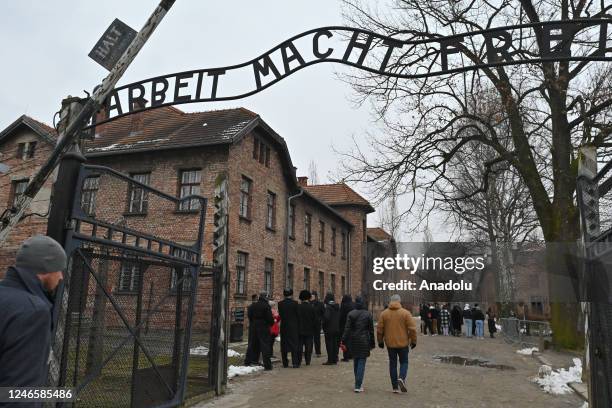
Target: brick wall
{"points": [[20, 169], [358, 217]]}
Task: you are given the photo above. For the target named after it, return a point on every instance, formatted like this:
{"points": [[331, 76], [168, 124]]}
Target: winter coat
{"points": [[444, 317], [477, 314], [467, 314], [331, 318], [25, 330], [319, 309], [359, 333], [346, 306], [288, 311], [396, 327], [456, 318], [491, 321], [275, 328], [307, 319], [260, 319]]}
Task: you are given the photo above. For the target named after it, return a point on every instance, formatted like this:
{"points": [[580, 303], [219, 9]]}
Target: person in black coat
{"points": [[260, 319], [331, 328], [456, 320], [26, 313], [346, 306], [359, 334], [249, 358], [307, 319], [289, 329], [319, 309], [491, 323]]}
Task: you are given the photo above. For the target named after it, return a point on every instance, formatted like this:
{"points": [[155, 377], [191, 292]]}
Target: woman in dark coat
{"points": [[346, 306], [491, 322], [359, 334], [331, 328], [456, 320]]}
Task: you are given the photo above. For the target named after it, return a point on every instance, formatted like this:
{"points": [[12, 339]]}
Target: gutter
{"points": [[286, 246]]}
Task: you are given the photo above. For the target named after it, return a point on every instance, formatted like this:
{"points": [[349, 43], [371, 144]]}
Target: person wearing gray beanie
{"points": [[26, 303]]}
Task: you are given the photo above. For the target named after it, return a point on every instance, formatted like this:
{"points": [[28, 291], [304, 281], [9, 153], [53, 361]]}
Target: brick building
{"points": [[282, 231]]}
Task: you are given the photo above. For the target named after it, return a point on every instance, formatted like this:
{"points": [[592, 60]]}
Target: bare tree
{"points": [[313, 174], [551, 108], [389, 218]]}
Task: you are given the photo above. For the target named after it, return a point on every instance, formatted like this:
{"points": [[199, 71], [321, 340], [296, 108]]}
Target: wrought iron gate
{"points": [[126, 310]]}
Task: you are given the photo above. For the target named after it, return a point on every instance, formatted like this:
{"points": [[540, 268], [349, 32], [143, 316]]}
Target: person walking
{"points": [[26, 320], [275, 328], [491, 323], [434, 320], [289, 329], [423, 312], [444, 320], [467, 320], [261, 319], [307, 324], [456, 320], [359, 337], [479, 318], [319, 309], [331, 328], [346, 306], [249, 357], [397, 329]]}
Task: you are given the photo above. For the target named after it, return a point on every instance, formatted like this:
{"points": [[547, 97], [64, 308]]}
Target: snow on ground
{"points": [[556, 381], [498, 327], [528, 351], [235, 371], [203, 351]]}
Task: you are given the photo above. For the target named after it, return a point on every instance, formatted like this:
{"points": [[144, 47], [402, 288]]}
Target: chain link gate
{"points": [[126, 311]]}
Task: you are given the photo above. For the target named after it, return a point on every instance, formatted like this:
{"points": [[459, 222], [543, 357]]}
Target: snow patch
{"points": [[555, 381], [235, 371], [203, 351], [233, 353], [527, 351], [498, 327]]}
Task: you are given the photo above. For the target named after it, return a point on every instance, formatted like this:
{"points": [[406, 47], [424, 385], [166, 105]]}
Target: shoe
{"points": [[395, 391], [402, 385]]}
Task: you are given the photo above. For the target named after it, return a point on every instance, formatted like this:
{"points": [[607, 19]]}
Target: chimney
{"points": [[303, 181], [137, 116]]}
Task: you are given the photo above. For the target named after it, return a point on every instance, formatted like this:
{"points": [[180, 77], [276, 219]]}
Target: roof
{"points": [[339, 194], [378, 234], [170, 128], [43, 130]]}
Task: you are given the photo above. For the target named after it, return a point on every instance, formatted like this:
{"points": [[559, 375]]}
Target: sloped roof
{"points": [[378, 234], [43, 130], [170, 128], [338, 195]]}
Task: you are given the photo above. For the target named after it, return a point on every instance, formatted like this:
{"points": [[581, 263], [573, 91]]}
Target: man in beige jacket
{"points": [[397, 329]]}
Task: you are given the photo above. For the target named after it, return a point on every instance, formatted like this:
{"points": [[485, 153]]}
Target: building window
{"points": [[268, 268], [26, 150], [343, 244], [306, 278], [321, 282], [332, 283], [271, 211], [190, 185], [245, 197], [308, 229], [333, 241], [88, 194], [178, 271], [292, 221], [255, 148], [321, 236], [241, 273], [19, 187], [138, 196], [289, 277], [267, 156], [343, 284], [261, 151], [129, 278]]}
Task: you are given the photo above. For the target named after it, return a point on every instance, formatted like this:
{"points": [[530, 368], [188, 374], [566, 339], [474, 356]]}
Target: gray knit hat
{"points": [[41, 254]]}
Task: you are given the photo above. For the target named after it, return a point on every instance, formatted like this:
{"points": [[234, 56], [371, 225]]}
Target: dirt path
{"points": [[431, 384]]}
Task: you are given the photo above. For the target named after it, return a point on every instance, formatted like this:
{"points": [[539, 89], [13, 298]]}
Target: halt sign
{"points": [[113, 43]]}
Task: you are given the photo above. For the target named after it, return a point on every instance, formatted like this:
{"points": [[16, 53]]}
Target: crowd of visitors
{"points": [[347, 326], [438, 320]]}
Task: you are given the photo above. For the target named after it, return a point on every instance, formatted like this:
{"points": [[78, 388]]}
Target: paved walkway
{"points": [[431, 384]]}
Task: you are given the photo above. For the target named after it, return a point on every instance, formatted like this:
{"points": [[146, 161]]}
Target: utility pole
{"points": [[68, 136]]}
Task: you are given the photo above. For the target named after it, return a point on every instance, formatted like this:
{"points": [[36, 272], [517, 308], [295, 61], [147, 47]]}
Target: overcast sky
{"points": [[44, 58]]}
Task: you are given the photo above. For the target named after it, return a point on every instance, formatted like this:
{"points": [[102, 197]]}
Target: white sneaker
{"points": [[402, 385], [396, 391]]}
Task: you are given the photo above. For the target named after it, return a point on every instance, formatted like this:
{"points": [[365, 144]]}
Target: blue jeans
{"points": [[359, 369], [394, 354], [468, 327], [479, 328]]}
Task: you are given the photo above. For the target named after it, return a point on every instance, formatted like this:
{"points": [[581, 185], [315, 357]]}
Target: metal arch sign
{"points": [[420, 58]]}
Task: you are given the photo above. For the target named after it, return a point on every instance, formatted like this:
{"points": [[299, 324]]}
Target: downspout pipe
{"points": [[286, 246]]}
